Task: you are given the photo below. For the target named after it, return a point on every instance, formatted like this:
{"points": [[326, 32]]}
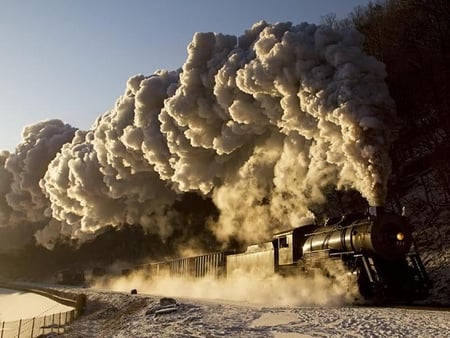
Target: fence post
{"points": [[3, 327], [53, 322], [80, 304], [59, 322], [43, 326], [20, 324], [32, 328]]}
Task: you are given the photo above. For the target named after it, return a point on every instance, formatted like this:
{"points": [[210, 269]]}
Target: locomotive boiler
{"points": [[375, 250]]}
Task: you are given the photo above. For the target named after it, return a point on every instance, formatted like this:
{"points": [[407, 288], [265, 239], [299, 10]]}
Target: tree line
{"points": [[412, 38]]}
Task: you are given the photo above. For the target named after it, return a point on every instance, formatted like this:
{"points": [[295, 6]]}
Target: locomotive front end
{"points": [[376, 247], [391, 236]]}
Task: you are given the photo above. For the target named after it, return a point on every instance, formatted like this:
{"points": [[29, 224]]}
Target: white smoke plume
{"points": [[28, 164], [5, 184], [23, 205], [262, 124]]}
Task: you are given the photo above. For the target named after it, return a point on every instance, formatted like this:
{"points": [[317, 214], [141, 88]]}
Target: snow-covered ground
{"points": [[15, 305], [116, 314]]}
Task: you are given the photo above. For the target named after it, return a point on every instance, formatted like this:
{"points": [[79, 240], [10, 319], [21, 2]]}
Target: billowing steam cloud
{"points": [[262, 124]]}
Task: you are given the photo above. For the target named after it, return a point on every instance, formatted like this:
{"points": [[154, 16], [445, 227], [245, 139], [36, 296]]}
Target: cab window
{"points": [[283, 242]]}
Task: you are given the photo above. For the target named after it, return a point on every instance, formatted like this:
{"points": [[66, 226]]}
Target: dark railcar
{"points": [[71, 277]]}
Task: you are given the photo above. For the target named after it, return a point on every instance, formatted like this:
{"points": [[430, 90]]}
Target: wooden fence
{"points": [[53, 323], [36, 326]]}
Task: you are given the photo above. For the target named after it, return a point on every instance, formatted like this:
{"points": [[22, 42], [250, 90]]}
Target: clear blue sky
{"points": [[71, 59]]}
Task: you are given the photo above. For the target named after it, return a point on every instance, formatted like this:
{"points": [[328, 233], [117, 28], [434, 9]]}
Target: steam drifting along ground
{"points": [[318, 290], [263, 124]]}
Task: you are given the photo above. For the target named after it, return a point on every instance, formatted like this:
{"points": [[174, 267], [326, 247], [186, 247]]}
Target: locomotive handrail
{"points": [[334, 228], [343, 253]]}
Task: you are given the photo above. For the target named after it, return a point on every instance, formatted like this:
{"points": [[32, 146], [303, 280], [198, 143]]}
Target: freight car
{"points": [[374, 248], [70, 277], [211, 265]]}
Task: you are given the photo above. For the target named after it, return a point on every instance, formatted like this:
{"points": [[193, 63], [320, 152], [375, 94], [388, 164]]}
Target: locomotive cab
{"points": [[288, 247], [284, 244]]}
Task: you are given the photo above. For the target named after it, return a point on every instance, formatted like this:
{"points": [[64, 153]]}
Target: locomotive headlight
{"points": [[400, 236]]}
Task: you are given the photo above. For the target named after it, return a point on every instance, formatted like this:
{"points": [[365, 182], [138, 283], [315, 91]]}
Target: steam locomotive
{"points": [[374, 249]]}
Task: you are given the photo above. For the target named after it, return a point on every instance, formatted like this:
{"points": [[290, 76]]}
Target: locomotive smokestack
{"points": [[376, 211]]}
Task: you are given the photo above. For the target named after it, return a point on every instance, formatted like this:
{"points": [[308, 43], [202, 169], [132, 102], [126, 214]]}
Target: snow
{"points": [[15, 305], [118, 314]]}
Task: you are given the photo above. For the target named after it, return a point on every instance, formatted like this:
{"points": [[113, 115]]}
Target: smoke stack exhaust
{"points": [[262, 124]]}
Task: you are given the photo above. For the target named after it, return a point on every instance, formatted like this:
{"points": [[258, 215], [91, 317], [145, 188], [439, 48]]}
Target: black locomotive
{"points": [[375, 249]]}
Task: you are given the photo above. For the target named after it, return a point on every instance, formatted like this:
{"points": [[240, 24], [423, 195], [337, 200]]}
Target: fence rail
{"points": [[36, 326], [53, 323]]}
